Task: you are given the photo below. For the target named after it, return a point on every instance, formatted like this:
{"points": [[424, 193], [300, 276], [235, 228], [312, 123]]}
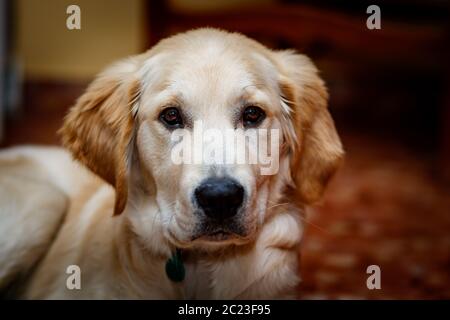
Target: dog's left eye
{"points": [[171, 117], [253, 116]]}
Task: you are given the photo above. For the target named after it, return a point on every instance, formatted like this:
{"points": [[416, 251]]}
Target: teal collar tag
{"points": [[175, 268]]}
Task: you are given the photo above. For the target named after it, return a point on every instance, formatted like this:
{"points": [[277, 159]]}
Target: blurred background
{"points": [[389, 205]]}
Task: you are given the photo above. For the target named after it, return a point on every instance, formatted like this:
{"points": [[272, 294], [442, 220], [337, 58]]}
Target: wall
{"points": [[110, 29]]}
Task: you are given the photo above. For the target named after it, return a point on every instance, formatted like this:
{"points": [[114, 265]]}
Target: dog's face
{"points": [[203, 87], [132, 121]]}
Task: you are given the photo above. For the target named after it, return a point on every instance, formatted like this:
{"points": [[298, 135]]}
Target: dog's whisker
{"points": [[278, 204], [303, 218], [315, 225], [173, 213]]}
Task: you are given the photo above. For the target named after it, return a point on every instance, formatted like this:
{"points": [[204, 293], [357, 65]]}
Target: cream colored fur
{"points": [[121, 229]]}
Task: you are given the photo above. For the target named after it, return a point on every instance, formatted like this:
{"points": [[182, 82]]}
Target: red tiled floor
{"points": [[386, 208]]}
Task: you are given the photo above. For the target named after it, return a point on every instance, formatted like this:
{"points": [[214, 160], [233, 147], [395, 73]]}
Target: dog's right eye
{"points": [[171, 118]]}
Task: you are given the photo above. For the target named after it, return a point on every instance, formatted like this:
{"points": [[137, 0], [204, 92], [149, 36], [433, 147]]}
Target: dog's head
{"points": [[134, 119]]}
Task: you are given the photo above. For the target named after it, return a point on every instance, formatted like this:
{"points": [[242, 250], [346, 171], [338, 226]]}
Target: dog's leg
{"points": [[281, 282], [31, 210]]}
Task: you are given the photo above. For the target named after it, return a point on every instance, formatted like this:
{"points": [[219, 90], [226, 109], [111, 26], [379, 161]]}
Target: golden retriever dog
{"points": [[128, 221]]}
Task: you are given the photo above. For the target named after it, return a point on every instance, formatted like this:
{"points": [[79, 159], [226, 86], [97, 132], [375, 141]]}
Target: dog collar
{"points": [[175, 268]]}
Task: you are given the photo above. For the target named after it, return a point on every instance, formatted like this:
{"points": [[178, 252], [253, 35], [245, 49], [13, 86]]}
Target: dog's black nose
{"points": [[220, 198]]}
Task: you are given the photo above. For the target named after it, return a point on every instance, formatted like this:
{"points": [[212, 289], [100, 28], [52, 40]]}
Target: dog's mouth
{"points": [[220, 235], [216, 236]]}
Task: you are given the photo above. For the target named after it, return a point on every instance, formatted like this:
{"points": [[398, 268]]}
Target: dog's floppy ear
{"points": [[315, 147], [98, 130]]}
